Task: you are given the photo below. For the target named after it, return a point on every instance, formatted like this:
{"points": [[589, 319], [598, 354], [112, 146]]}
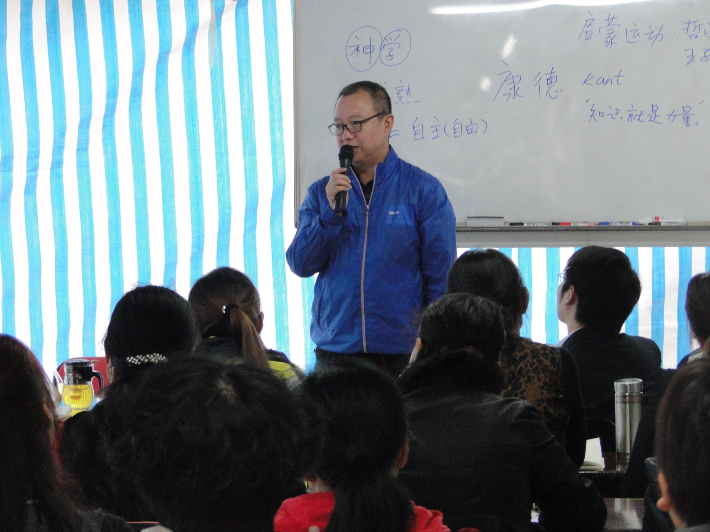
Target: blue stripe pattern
{"points": [[278, 162], [525, 267], [165, 143], [56, 179], [86, 209], [34, 260], [659, 296], [7, 149], [221, 141], [192, 126], [552, 327], [307, 287], [632, 322], [101, 142], [251, 175], [135, 125], [108, 136], [685, 272]]}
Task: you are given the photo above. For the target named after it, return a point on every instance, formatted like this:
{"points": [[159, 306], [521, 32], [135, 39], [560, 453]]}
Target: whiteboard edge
{"points": [[296, 116]]}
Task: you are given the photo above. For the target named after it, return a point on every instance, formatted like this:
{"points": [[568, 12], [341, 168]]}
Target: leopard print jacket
{"points": [[532, 372]]}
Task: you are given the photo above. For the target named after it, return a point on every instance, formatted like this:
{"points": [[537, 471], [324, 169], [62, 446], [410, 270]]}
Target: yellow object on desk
{"points": [[78, 396]]}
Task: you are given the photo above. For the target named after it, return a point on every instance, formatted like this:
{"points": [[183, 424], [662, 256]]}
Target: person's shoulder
{"points": [[415, 174], [300, 513], [533, 362], [697, 528], [642, 340], [428, 520], [646, 346], [695, 354], [98, 520], [318, 186], [527, 346]]}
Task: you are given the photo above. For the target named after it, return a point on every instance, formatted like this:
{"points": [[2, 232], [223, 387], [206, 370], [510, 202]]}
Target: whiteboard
{"points": [[533, 111]]}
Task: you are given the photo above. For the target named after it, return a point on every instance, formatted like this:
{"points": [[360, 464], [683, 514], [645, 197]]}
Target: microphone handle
{"points": [[340, 199]]}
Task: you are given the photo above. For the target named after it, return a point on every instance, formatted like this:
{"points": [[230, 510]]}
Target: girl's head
{"points": [[28, 468], [23, 383], [471, 328], [697, 307], [489, 273], [356, 441], [211, 445], [462, 321], [227, 305], [149, 324]]}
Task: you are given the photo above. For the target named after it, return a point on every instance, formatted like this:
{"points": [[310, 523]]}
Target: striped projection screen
{"points": [[150, 141]]}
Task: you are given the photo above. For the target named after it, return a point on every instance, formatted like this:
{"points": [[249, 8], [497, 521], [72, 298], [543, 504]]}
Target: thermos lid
{"points": [[626, 386]]}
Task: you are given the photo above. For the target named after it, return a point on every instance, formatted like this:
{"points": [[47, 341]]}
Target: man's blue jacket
{"points": [[379, 265]]}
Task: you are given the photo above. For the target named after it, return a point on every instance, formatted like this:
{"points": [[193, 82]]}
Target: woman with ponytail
{"points": [[543, 375], [355, 442], [229, 316], [481, 459]]}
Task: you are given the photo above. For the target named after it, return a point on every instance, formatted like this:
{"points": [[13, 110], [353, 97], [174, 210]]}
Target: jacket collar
{"points": [[587, 332]]}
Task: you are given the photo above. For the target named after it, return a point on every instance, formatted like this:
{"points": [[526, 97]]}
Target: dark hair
{"points": [[606, 285], [461, 320], [489, 273], [212, 445], [697, 307], [682, 444], [356, 428], [29, 470], [380, 99], [227, 304], [147, 320]]}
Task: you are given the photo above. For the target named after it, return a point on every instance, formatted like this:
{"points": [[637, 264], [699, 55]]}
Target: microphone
{"points": [[346, 160]]}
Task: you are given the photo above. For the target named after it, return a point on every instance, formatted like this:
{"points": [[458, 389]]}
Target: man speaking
{"points": [[382, 248]]}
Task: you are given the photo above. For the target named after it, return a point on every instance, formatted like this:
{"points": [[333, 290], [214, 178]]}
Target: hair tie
{"points": [[145, 359], [228, 308]]}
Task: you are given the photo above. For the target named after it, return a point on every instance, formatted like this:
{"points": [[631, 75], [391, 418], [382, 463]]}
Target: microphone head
{"points": [[346, 151], [346, 154]]}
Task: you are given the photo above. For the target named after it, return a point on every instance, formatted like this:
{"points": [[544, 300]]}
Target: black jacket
{"points": [[482, 460], [604, 357]]}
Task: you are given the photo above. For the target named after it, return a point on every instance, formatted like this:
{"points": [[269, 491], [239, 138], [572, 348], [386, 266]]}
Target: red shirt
{"points": [[314, 509]]}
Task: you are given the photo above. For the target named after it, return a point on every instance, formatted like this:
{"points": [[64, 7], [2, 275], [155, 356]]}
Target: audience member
{"points": [[683, 448], [697, 309], [230, 319], [481, 459], [149, 325], [543, 375], [35, 493], [212, 445], [599, 291], [356, 441]]}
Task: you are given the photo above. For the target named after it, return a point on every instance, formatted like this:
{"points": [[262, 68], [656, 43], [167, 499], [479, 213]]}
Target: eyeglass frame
{"points": [[562, 277], [345, 126]]}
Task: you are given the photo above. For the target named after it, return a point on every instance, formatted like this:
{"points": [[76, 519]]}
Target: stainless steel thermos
{"points": [[629, 393]]}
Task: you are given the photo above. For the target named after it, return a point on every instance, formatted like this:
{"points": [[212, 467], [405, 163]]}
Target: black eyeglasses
{"points": [[353, 127]]}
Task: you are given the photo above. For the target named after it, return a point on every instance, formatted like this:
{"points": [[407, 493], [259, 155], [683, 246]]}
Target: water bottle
{"points": [[628, 413]]}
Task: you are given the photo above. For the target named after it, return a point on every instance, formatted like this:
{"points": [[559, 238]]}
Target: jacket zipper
{"points": [[364, 252]]}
